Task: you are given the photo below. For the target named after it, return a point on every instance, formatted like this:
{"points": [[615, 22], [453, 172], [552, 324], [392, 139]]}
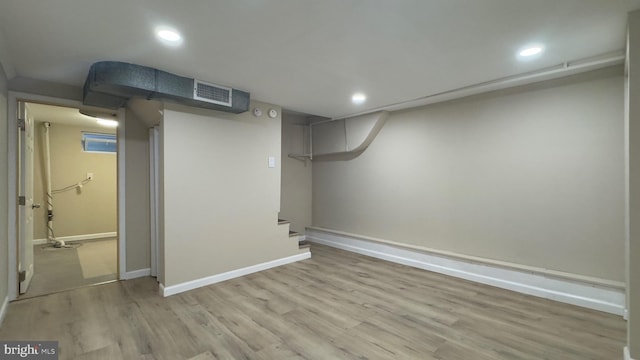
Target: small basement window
{"points": [[99, 143]]}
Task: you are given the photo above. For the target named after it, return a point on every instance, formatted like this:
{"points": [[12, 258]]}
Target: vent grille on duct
{"points": [[212, 93]]}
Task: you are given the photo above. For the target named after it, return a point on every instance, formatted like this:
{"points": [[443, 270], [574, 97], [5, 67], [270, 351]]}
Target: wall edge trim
{"points": [[4, 308], [580, 293], [209, 280], [134, 274], [79, 237], [627, 355]]}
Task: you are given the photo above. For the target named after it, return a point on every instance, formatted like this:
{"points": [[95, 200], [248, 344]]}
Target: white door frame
{"points": [[154, 157], [12, 196]]}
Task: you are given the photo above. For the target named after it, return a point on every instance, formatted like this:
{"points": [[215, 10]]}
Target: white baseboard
{"points": [[136, 274], [194, 284], [72, 238], [3, 309], [627, 356], [576, 292]]}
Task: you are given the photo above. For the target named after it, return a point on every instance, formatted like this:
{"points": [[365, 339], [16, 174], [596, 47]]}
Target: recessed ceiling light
{"points": [[107, 123], [358, 98], [169, 36], [530, 51]]}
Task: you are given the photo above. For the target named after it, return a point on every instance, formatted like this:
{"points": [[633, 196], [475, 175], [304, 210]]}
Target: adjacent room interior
{"points": [[74, 188]]}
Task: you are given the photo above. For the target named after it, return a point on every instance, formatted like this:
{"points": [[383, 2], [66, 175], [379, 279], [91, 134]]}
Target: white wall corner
{"points": [[570, 291], [3, 309], [209, 280], [136, 274], [627, 356]]}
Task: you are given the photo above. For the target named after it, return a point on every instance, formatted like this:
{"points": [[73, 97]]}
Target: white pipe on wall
{"points": [[47, 175], [553, 72]]}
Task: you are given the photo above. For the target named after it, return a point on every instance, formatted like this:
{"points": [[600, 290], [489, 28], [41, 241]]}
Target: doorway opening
{"points": [[67, 226]]}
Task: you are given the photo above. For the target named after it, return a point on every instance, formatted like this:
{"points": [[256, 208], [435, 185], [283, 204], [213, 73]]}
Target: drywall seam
{"points": [[578, 293], [194, 284]]}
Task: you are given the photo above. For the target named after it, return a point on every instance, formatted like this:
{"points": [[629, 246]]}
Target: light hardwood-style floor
{"points": [[336, 305]]}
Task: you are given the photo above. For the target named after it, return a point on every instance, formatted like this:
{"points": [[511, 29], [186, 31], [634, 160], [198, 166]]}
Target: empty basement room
{"points": [[337, 179]]}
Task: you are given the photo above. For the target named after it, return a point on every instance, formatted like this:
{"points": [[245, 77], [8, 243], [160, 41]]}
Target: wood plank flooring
{"points": [[336, 305]]}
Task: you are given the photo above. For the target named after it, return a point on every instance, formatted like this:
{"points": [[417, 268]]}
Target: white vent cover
{"points": [[212, 93]]}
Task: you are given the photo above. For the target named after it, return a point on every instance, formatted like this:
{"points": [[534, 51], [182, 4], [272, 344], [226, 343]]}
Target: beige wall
{"points": [[46, 88], [4, 235], [532, 176], [295, 197], [137, 226], [633, 179], [221, 201], [91, 210]]}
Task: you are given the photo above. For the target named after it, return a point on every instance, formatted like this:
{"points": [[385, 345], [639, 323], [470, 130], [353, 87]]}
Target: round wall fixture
{"points": [[273, 113], [257, 112]]}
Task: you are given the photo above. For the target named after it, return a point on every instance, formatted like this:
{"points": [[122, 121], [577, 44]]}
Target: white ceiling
{"points": [[310, 56], [65, 115]]}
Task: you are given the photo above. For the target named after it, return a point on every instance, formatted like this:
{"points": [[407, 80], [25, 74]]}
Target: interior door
{"points": [[25, 191]]}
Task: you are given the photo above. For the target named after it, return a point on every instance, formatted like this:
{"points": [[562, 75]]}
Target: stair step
{"points": [[293, 233], [304, 246], [282, 222]]}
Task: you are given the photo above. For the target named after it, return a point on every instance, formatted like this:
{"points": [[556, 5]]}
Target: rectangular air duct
{"points": [[111, 84]]}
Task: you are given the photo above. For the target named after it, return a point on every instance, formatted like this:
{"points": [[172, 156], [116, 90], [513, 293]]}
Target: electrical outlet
{"points": [[89, 176]]}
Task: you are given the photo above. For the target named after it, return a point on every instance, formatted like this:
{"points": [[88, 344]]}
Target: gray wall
{"points": [[531, 175], [295, 195], [137, 228], [4, 277]]}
